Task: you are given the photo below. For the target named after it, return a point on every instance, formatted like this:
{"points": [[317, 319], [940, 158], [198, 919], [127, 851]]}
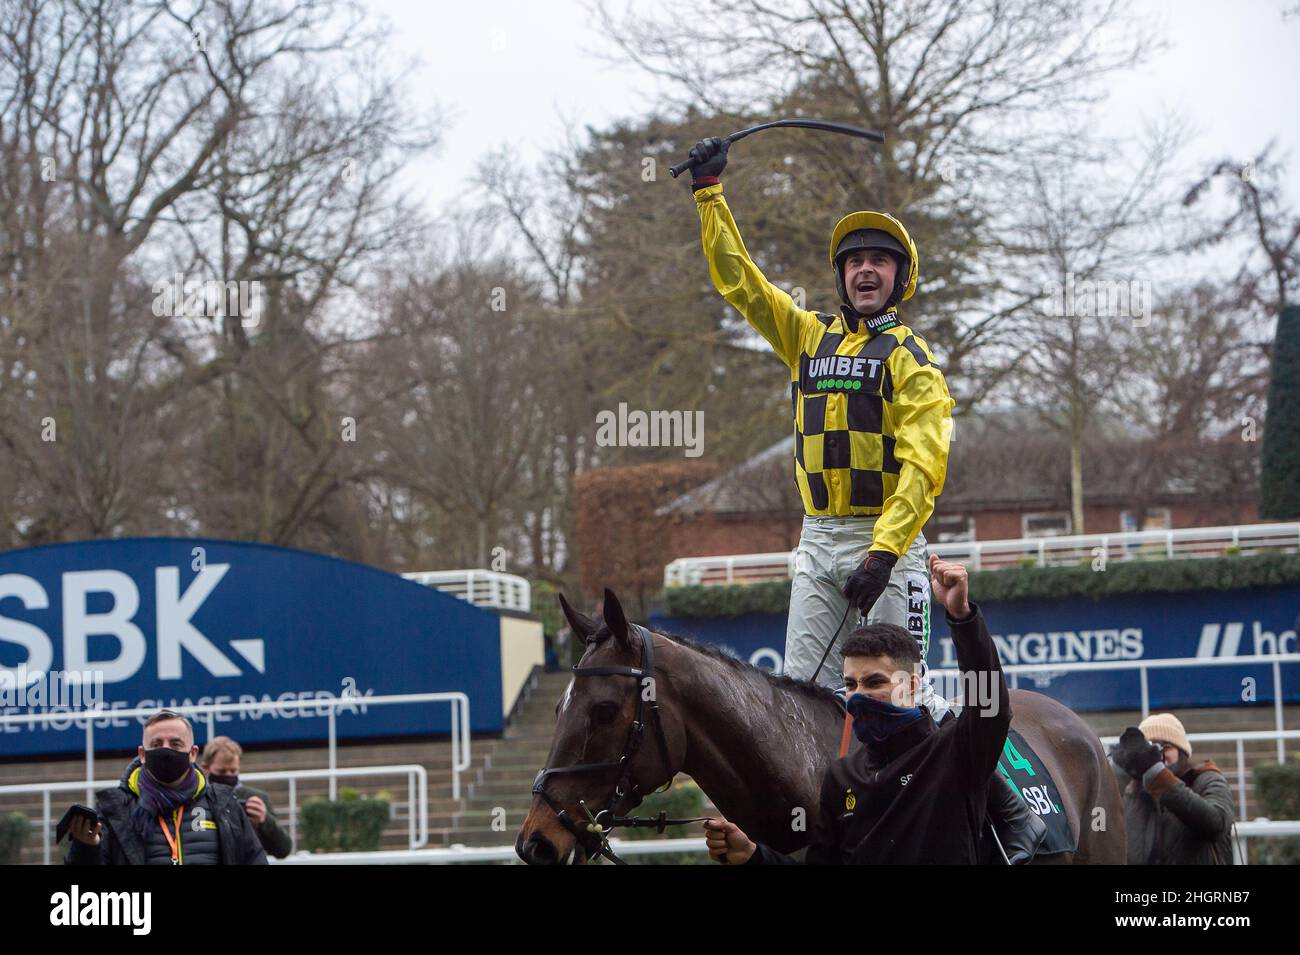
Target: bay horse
{"points": [[758, 745]]}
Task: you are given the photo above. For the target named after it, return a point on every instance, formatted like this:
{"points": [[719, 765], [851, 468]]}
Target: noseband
{"points": [[592, 834]]}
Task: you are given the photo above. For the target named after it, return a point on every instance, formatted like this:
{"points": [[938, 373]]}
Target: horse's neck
{"points": [[757, 750]]}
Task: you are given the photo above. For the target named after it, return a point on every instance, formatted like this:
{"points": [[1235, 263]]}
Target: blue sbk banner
{"points": [[1128, 628], [169, 622]]}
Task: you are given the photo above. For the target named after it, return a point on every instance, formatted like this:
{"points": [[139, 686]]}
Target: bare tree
{"points": [[1189, 396], [1260, 213], [142, 139], [1087, 245], [968, 96], [473, 409]]}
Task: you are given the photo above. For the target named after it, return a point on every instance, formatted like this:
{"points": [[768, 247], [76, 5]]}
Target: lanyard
{"points": [[174, 843]]}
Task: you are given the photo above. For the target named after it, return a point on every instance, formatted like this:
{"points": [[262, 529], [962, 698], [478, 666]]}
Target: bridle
{"points": [[593, 834]]}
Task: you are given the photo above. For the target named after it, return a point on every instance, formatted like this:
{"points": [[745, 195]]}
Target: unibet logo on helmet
{"points": [[875, 230]]}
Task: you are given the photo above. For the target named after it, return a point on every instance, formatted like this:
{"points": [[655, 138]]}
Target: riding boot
{"points": [[1019, 829]]}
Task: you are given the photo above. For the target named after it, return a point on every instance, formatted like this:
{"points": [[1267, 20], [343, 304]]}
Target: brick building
{"points": [[1008, 477]]}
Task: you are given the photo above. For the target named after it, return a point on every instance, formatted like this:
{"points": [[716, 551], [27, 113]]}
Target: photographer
{"points": [[165, 811], [220, 760], [1176, 814]]}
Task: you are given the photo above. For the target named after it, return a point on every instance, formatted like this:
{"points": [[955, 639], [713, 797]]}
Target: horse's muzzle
{"points": [[537, 849]]}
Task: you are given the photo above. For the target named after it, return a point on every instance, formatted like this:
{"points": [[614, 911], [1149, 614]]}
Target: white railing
{"points": [[1264, 828], [1183, 543], [417, 789], [1260, 828], [950, 675], [461, 854], [460, 725], [736, 569], [483, 588]]}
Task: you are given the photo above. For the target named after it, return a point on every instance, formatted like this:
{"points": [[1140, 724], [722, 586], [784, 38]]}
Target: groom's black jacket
{"points": [[919, 798]]}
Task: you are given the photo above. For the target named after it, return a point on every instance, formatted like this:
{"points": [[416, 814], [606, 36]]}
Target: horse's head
{"points": [[612, 745]]}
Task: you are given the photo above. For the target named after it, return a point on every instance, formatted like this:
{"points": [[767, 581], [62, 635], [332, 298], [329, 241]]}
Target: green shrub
{"points": [[1277, 787], [352, 823], [14, 829], [685, 800], [1133, 577], [546, 606]]}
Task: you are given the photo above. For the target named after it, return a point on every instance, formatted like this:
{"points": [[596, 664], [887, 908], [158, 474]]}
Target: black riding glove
{"points": [[1135, 754], [710, 158], [867, 583]]}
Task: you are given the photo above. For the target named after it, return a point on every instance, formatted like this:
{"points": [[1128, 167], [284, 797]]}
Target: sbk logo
{"points": [[174, 610]]}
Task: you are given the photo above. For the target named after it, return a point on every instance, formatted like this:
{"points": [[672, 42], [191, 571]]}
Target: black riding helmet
{"points": [[875, 230], [873, 239]]}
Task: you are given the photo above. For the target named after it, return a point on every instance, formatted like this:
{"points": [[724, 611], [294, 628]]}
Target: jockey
{"points": [[872, 418], [872, 423]]}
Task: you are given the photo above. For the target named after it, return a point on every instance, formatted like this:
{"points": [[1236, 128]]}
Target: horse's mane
{"points": [[811, 690]]}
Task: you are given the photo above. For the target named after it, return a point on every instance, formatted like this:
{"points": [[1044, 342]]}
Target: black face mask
{"points": [[166, 765], [224, 780]]}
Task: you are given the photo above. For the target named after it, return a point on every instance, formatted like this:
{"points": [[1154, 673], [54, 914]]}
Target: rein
{"points": [[834, 637], [593, 834]]}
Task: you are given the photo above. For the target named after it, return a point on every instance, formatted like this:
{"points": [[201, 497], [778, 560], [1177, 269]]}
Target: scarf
{"points": [[159, 800], [875, 722]]}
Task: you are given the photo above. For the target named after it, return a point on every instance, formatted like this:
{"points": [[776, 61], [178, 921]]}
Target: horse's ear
{"points": [[614, 618], [583, 626]]}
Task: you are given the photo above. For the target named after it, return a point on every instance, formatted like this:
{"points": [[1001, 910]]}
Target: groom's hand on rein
{"points": [[726, 843], [950, 583]]}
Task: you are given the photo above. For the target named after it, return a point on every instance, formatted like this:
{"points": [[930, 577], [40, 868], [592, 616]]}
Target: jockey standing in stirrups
{"points": [[872, 426], [872, 421]]}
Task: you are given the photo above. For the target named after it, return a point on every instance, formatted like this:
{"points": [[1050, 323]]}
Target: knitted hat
{"points": [[1165, 728]]}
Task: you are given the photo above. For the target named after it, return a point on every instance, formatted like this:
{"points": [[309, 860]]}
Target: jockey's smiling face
{"points": [[869, 278], [882, 678]]}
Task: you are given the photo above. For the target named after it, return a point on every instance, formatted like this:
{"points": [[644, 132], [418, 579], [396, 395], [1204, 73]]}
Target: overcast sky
{"points": [[511, 72]]}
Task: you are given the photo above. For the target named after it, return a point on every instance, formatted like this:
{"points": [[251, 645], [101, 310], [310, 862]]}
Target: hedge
{"points": [[352, 823], [1277, 789], [1026, 583], [14, 829]]}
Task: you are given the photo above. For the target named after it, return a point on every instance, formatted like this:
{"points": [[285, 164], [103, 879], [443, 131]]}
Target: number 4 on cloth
{"points": [[1015, 759]]}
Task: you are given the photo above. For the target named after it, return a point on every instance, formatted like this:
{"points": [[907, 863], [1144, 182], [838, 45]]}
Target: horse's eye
{"points": [[605, 712]]}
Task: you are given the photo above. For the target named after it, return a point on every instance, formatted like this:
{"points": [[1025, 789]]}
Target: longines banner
{"points": [[1123, 629], [168, 622]]}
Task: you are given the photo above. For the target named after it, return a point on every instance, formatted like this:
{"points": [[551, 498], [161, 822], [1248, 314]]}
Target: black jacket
{"points": [[921, 797], [274, 838], [120, 844]]}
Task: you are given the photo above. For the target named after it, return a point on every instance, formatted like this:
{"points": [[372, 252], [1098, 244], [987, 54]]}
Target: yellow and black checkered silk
{"points": [[871, 407]]}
